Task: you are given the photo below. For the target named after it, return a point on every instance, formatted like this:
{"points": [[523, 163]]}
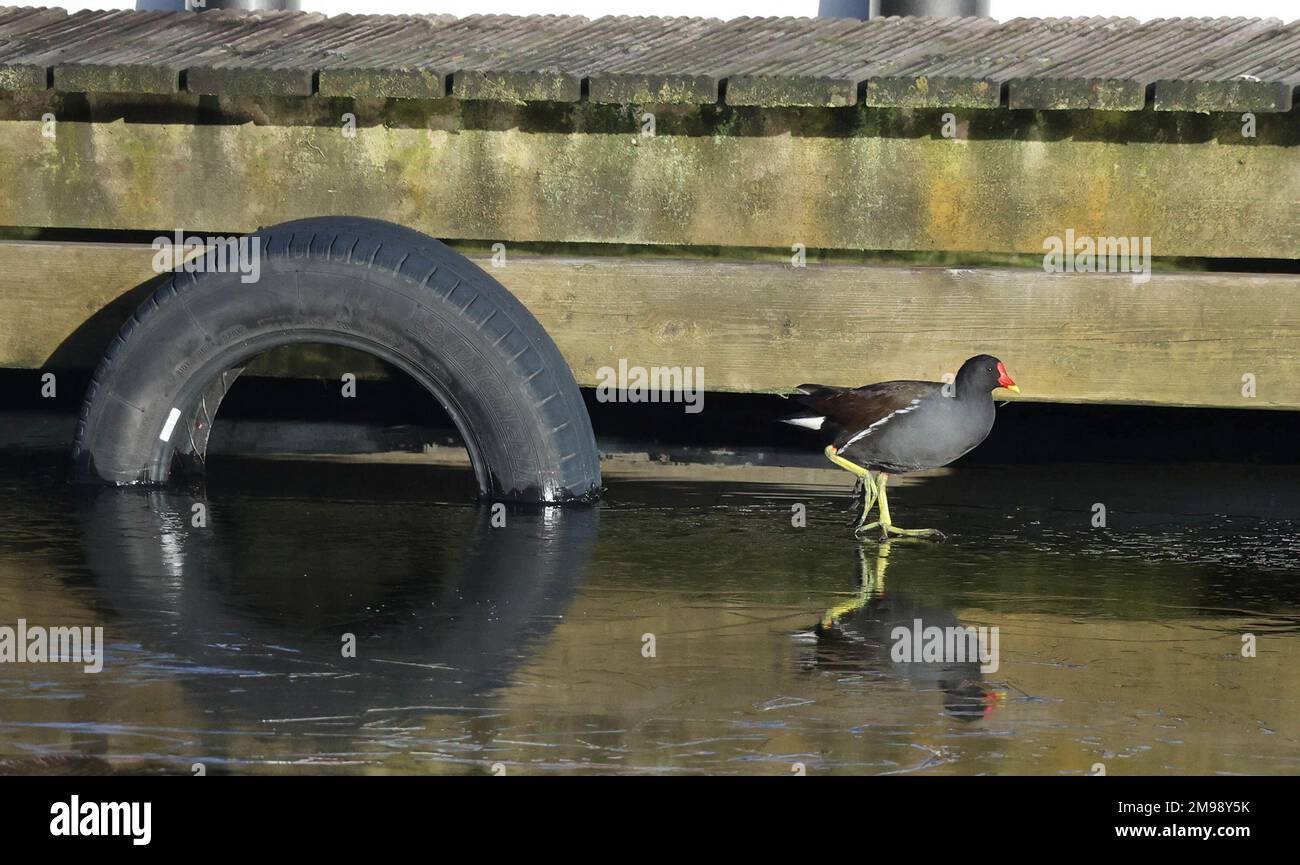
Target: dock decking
{"points": [[1223, 64], [957, 139]]}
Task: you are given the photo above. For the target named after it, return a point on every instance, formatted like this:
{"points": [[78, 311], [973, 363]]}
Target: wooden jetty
{"points": [[775, 200]]}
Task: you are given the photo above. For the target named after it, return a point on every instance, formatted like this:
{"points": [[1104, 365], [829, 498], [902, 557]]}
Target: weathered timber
{"points": [[754, 177], [264, 59], [31, 41], [150, 59], [1119, 60], [1180, 339], [1202, 65], [1260, 75], [389, 61], [659, 70]]}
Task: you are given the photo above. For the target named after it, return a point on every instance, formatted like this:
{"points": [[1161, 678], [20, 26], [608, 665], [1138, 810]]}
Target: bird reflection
{"points": [[859, 635]]}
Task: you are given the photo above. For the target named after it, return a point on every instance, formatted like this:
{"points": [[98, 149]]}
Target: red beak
{"points": [[1004, 380]]}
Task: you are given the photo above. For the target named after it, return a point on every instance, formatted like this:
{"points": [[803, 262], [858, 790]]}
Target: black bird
{"points": [[902, 426]]}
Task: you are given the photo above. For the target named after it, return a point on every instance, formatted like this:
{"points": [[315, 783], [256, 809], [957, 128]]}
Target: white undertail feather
{"points": [[806, 422]]}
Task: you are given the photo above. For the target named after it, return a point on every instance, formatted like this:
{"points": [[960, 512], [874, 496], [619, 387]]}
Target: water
{"points": [[524, 649]]}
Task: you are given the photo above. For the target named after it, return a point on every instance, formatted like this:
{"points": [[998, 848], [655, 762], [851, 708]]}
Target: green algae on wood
{"points": [[483, 177]]}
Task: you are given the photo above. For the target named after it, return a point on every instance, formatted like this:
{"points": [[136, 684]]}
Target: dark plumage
{"points": [[903, 426], [861, 635], [863, 638]]}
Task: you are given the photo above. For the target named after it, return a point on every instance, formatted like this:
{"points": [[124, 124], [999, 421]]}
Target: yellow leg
{"points": [[864, 476], [885, 521], [886, 525], [843, 463], [872, 586], [869, 493]]}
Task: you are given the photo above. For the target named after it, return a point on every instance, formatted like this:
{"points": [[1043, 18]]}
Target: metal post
{"points": [[203, 5], [864, 9]]}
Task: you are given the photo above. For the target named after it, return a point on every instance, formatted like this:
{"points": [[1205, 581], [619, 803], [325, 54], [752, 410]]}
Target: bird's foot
{"points": [[888, 530], [915, 533]]}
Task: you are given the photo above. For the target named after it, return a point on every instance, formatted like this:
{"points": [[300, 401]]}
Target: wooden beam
{"points": [[1180, 339], [1201, 65], [494, 172]]}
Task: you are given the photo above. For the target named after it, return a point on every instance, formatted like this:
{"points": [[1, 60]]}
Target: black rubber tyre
{"points": [[365, 284]]}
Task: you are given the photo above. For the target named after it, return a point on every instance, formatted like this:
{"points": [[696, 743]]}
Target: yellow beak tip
{"points": [[1013, 388]]}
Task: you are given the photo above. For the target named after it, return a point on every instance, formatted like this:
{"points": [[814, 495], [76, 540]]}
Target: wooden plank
{"points": [[500, 57], [781, 61], [388, 63], [1116, 63], [35, 39], [1180, 339], [260, 60], [1177, 340], [151, 59], [1261, 75], [809, 72], [773, 180], [123, 64], [1203, 65], [1093, 76], [955, 69], [1028, 47], [654, 70], [61, 304]]}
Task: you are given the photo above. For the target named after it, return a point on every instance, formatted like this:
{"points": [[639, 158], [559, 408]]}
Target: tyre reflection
{"points": [[255, 609]]}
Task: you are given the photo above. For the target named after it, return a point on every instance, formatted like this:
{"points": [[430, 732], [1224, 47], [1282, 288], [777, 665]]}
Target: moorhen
{"points": [[859, 635], [902, 426]]}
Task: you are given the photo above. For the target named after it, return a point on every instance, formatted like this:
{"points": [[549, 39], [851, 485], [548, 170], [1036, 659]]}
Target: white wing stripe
{"points": [[866, 432]]}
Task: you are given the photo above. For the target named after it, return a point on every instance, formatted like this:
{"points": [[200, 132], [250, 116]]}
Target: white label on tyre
{"points": [[166, 434]]}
